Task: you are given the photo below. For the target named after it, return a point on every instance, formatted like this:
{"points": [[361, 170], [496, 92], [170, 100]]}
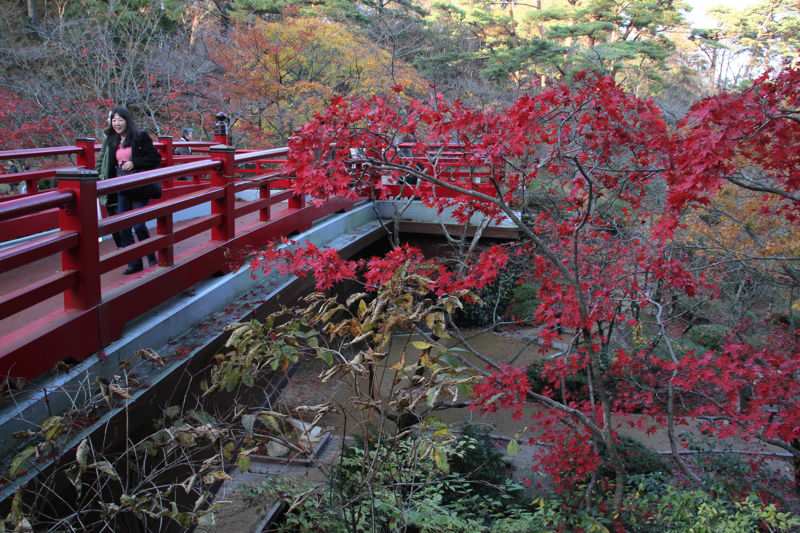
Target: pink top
{"points": [[124, 154]]}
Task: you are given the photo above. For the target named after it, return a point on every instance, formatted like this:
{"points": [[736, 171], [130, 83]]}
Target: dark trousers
{"points": [[129, 202], [112, 207]]}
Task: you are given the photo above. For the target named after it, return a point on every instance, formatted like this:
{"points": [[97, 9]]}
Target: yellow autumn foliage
{"points": [[278, 74], [736, 225]]}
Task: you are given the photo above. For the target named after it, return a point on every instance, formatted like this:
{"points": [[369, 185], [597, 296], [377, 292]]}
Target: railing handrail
{"points": [[260, 154], [34, 203], [29, 153], [151, 211], [147, 177], [25, 175], [192, 144]]}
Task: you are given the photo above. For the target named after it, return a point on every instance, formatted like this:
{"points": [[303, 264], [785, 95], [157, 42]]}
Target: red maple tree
{"points": [[597, 183]]}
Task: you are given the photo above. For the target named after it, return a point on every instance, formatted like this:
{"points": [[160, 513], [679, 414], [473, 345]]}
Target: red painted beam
{"points": [[129, 218], [54, 337], [41, 174], [26, 225], [192, 227], [250, 207], [154, 176], [26, 153], [36, 249], [245, 157], [133, 252], [34, 203], [30, 295], [34, 223]]}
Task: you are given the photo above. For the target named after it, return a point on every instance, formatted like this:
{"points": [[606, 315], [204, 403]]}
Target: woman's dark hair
{"points": [[131, 130]]}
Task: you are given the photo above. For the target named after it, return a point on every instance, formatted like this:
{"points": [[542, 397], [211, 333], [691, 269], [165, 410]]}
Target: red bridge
{"points": [[68, 298], [62, 294]]}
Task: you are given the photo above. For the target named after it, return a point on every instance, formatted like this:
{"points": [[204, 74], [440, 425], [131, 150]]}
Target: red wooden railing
{"points": [[92, 313], [84, 152], [87, 311], [451, 162]]}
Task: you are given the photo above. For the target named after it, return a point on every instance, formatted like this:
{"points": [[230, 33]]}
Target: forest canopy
{"points": [[270, 64], [649, 169]]}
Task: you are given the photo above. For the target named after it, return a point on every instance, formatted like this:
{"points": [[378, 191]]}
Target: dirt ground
{"points": [[518, 348]]}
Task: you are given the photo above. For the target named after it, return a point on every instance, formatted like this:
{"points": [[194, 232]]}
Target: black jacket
{"points": [[144, 155]]}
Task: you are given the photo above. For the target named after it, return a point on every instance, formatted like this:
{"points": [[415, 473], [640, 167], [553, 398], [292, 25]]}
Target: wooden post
{"points": [[166, 152], [223, 177], [222, 134], [263, 193], [166, 255], [81, 216], [297, 201], [86, 157]]}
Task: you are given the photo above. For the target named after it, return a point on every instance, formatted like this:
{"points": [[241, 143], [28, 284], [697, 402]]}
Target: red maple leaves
{"points": [[611, 183]]}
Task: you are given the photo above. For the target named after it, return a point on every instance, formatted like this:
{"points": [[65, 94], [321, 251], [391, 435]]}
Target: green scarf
{"points": [[101, 166]]}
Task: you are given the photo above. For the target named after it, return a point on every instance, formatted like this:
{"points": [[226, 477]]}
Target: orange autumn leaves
{"points": [[279, 74], [739, 224]]}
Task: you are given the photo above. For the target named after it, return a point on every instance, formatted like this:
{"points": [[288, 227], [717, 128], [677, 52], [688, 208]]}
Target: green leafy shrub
{"points": [[657, 507], [523, 302], [535, 379], [481, 486], [404, 487], [577, 385], [638, 459], [494, 298], [681, 346], [708, 335], [481, 459]]}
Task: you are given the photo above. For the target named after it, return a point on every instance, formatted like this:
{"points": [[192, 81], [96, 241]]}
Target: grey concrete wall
{"points": [[210, 304]]}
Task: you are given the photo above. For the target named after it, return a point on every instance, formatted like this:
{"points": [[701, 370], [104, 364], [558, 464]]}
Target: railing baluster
{"points": [[86, 157], [297, 201], [223, 177], [166, 152], [166, 255], [81, 216], [263, 193]]}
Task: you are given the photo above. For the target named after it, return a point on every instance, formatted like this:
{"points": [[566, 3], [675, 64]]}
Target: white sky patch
{"points": [[698, 16]]}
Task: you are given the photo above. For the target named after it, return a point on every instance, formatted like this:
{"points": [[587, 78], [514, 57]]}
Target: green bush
{"points": [[681, 346], [658, 507], [523, 302], [576, 384], [638, 459], [480, 461], [495, 298], [403, 487], [708, 335], [535, 379], [409, 493]]}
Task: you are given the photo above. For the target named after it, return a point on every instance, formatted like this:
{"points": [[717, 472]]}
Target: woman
{"points": [[105, 170], [129, 150], [186, 136]]}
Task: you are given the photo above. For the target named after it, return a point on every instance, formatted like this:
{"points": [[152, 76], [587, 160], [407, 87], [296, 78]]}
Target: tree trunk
{"points": [[32, 13]]}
